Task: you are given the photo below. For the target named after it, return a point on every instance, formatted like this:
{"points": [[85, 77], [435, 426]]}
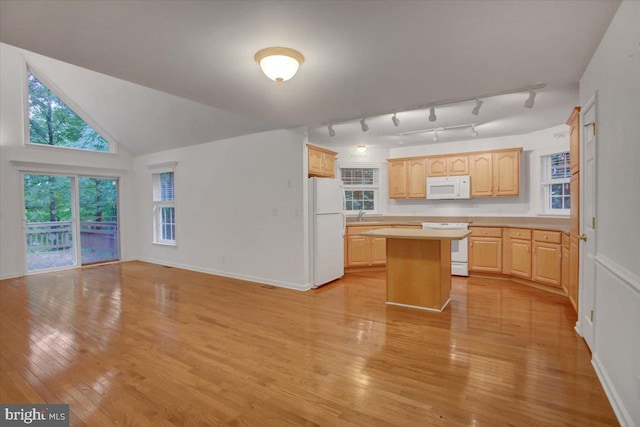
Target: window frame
{"points": [[377, 209], [30, 69], [158, 205], [545, 184]]}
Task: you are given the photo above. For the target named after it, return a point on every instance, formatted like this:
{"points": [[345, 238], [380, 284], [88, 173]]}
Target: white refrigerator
{"points": [[327, 223]]}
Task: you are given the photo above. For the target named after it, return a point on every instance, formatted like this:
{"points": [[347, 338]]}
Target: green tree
{"points": [[52, 122]]}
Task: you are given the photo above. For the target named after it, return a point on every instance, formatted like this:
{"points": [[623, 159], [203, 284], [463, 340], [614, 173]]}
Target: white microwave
{"points": [[449, 187]]}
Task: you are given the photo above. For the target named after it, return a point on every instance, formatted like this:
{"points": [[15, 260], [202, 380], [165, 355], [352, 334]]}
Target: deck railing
{"points": [[56, 235]]}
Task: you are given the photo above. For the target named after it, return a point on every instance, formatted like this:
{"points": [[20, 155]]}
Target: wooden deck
{"points": [[138, 344]]}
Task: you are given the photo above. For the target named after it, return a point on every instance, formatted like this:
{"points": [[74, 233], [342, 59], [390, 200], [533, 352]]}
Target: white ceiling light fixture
{"points": [[279, 63], [474, 132], [432, 114], [364, 125], [395, 120], [530, 100], [332, 132], [435, 136], [361, 148], [476, 109]]}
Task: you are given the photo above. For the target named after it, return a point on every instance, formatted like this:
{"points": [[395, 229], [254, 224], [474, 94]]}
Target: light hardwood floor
{"points": [[138, 344]]}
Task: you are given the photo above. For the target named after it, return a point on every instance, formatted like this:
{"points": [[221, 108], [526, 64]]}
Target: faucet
{"points": [[360, 214]]}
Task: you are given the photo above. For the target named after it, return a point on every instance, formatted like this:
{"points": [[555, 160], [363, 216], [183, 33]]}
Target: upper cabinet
{"points": [[448, 166], [407, 179], [322, 162], [574, 138], [495, 174]]}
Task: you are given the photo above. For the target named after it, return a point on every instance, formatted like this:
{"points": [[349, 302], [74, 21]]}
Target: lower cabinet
{"points": [[547, 257], [565, 263], [574, 260], [366, 251], [485, 249]]}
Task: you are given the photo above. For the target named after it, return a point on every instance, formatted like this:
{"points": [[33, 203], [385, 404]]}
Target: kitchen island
{"points": [[419, 266]]}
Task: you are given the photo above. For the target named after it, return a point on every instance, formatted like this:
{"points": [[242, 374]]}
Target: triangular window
{"points": [[52, 122]]}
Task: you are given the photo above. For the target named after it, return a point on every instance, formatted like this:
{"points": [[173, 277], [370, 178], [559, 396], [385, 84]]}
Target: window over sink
{"points": [[361, 185]]}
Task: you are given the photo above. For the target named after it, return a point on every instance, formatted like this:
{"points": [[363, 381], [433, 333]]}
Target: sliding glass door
{"points": [[48, 210], [60, 208], [98, 219]]}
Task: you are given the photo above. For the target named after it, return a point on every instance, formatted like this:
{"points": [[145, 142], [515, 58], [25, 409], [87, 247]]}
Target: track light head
{"points": [[395, 120], [332, 132], [432, 114], [435, 136], [476, 109], [474, 132], [364, 125], [530, 100]]}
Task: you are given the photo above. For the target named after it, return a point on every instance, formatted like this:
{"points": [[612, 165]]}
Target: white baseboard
{"points": [[260, 280], [10, 276], [616, 403]]}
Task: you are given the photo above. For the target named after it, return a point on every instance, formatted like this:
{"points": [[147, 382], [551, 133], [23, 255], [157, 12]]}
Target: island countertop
{"points": [[422, 234]]}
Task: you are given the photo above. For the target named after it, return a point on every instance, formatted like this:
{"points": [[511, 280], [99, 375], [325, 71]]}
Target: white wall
{"points": [[614, 72], [527, 204], [239, 208], [15, 156]]}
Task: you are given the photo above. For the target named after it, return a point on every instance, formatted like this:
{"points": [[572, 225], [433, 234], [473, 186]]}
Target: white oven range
{"points": [[459, 248]]}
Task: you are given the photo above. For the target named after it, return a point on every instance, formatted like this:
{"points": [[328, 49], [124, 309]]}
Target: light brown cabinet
{"points": [[574, 263], [495, 174], [363, 251], [565, 263], [321, 162], [448, 166], [547, 257], [519, 252], [397, 179], [485, 249], [574, 140], [407, 179]]}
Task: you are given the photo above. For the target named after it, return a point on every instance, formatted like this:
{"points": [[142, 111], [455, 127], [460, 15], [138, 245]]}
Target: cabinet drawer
{"points": [[520, 233], [355, 230], [486, 231], [547, 236]]}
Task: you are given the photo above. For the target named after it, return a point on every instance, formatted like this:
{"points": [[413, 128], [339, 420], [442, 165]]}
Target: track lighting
{"points": [[476, 109], [432, 114], [395, 120], [435, 136], [364, 125], [332, 132], [529, 102], [474, 132]]}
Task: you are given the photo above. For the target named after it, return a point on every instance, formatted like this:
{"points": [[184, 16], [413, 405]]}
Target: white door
{"points": [[587, 315]]}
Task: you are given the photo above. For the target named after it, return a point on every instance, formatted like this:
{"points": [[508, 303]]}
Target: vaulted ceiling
{"points": [[363, 58]]}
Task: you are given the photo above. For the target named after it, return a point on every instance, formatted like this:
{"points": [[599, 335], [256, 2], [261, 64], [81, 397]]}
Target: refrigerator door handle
{"points": [[344, 213]]}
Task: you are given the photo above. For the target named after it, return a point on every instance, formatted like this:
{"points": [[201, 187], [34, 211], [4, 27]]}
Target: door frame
{"points": [[584, 307]]}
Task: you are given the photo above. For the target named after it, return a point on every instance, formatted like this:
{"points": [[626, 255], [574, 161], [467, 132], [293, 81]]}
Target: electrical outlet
{"points": [[222, 258]]}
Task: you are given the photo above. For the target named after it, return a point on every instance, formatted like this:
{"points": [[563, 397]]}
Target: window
{"points": [[360, 188], [52, 122], [555, 177], [164, 221]]}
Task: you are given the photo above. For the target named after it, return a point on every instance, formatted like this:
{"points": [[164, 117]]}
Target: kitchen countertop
{"points": [[407, 233], [538, 223]]}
